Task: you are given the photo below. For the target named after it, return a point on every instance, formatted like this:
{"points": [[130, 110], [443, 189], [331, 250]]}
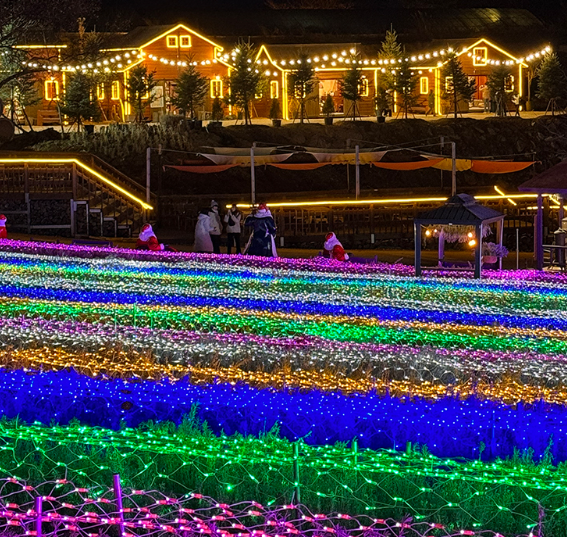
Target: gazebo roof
{"points": [[552, 181], [459, 210]]}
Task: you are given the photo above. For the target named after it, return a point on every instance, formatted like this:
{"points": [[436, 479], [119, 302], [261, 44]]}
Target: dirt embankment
{"points": [[543, 139]]}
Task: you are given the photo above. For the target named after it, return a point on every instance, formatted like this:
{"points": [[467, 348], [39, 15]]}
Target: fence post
{"points": [[354, 448], [38, 515], [118, 495], [296, 492]]}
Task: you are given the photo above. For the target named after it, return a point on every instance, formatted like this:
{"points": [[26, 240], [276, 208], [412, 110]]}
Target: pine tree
{"points": [[497, 83], [552, 81], [351, 84], [404, 84], [301, 82], [139, 90], [246, 79], [192, 88], [391, 56], [78, 102], [458, 86]]}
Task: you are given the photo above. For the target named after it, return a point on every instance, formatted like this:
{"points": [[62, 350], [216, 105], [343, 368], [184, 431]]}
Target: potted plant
{"points": [[217, 113], [275, 113], [382, 104], [328, 109], [491, 252]]}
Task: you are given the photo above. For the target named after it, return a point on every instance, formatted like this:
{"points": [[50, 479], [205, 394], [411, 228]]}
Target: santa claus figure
{"points": [[3, 231], [147, 240], [333, 249]]}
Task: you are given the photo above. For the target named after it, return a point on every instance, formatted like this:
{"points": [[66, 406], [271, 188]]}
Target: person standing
{"points": [[262, 240], [216, 226], [232, 220], [485, 92], [3, 230], [203, 242]]}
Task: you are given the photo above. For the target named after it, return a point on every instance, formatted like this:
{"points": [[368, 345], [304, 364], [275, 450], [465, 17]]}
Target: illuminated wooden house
{"points": [[166, 51]]}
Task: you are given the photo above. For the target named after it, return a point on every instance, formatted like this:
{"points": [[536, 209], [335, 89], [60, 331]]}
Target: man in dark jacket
{"points": [[263, 233]]}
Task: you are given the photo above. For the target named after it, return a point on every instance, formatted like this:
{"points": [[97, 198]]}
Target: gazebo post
{"points": [[441, 249], [417, 242], [478, 251], [539, 234], [500, 231]]}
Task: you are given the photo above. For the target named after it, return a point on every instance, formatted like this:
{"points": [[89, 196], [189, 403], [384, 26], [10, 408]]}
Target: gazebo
{"points": [[459, 210], [552, 181]]}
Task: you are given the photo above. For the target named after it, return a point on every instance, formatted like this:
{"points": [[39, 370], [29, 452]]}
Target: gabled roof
{"points": [[460, 209], [551, 181], [145, 35]]}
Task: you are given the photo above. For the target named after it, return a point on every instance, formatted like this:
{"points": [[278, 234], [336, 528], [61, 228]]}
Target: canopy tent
{"points": [[551, 181], [459, 210]]}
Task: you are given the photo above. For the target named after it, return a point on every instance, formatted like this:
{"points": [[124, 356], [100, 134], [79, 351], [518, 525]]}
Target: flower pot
{"points": [[328, 120], [276, 122], [489, 259], [381, 119], [529, 106]]}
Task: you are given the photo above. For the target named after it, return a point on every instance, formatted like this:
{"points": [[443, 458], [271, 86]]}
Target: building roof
{"points": [[367, 26], [461, 209], [551, 181]]}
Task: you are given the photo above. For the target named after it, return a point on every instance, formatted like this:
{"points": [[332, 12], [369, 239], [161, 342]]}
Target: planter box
{"points": [[328, 120], [489, 259], [276, 122]]}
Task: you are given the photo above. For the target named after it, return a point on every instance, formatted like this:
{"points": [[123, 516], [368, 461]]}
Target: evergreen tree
{"points": [[552, 81], [79, 101], [404, 84], [351, 85], [391, 56], [458, 87], [245, 80], [139, 90], [192, 88], [498, 82], [301, 82]]}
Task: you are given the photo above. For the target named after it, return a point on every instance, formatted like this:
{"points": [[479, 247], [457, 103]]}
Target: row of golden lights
{"points": [[127, 58]]}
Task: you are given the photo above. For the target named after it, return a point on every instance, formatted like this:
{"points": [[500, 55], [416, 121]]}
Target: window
{"points": [[171, 41], [448, 83], [424, 85], [363, 89], [51, 90], [509, 83], [274, 89], [216, 88], [100, 92], [480, 56], [115, 95], [185, 41]]}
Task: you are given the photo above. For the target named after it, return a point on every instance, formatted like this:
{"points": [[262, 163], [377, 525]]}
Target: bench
{"points": [[48, 117]]}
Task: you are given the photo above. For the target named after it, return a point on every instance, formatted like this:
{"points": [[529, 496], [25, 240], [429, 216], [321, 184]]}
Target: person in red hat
{"points": [[333, 249], [262, 240], [147, 240], [3, 230]]}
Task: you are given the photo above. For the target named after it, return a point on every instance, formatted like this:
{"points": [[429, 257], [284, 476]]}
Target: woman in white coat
{"points": [[203, 242], [232, 220]]}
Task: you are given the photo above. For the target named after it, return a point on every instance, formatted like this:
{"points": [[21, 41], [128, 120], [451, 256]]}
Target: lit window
{"points": [[100, 92], [115, 95], [363, 88], [171, 41], [185, 41], [480, 56], [274, 89], [448, 83], [509, 83], [51, 90], [424, 85], [216, 88]]}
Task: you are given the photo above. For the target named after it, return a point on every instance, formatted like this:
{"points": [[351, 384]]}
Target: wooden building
{"points": [[167, 50]]}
